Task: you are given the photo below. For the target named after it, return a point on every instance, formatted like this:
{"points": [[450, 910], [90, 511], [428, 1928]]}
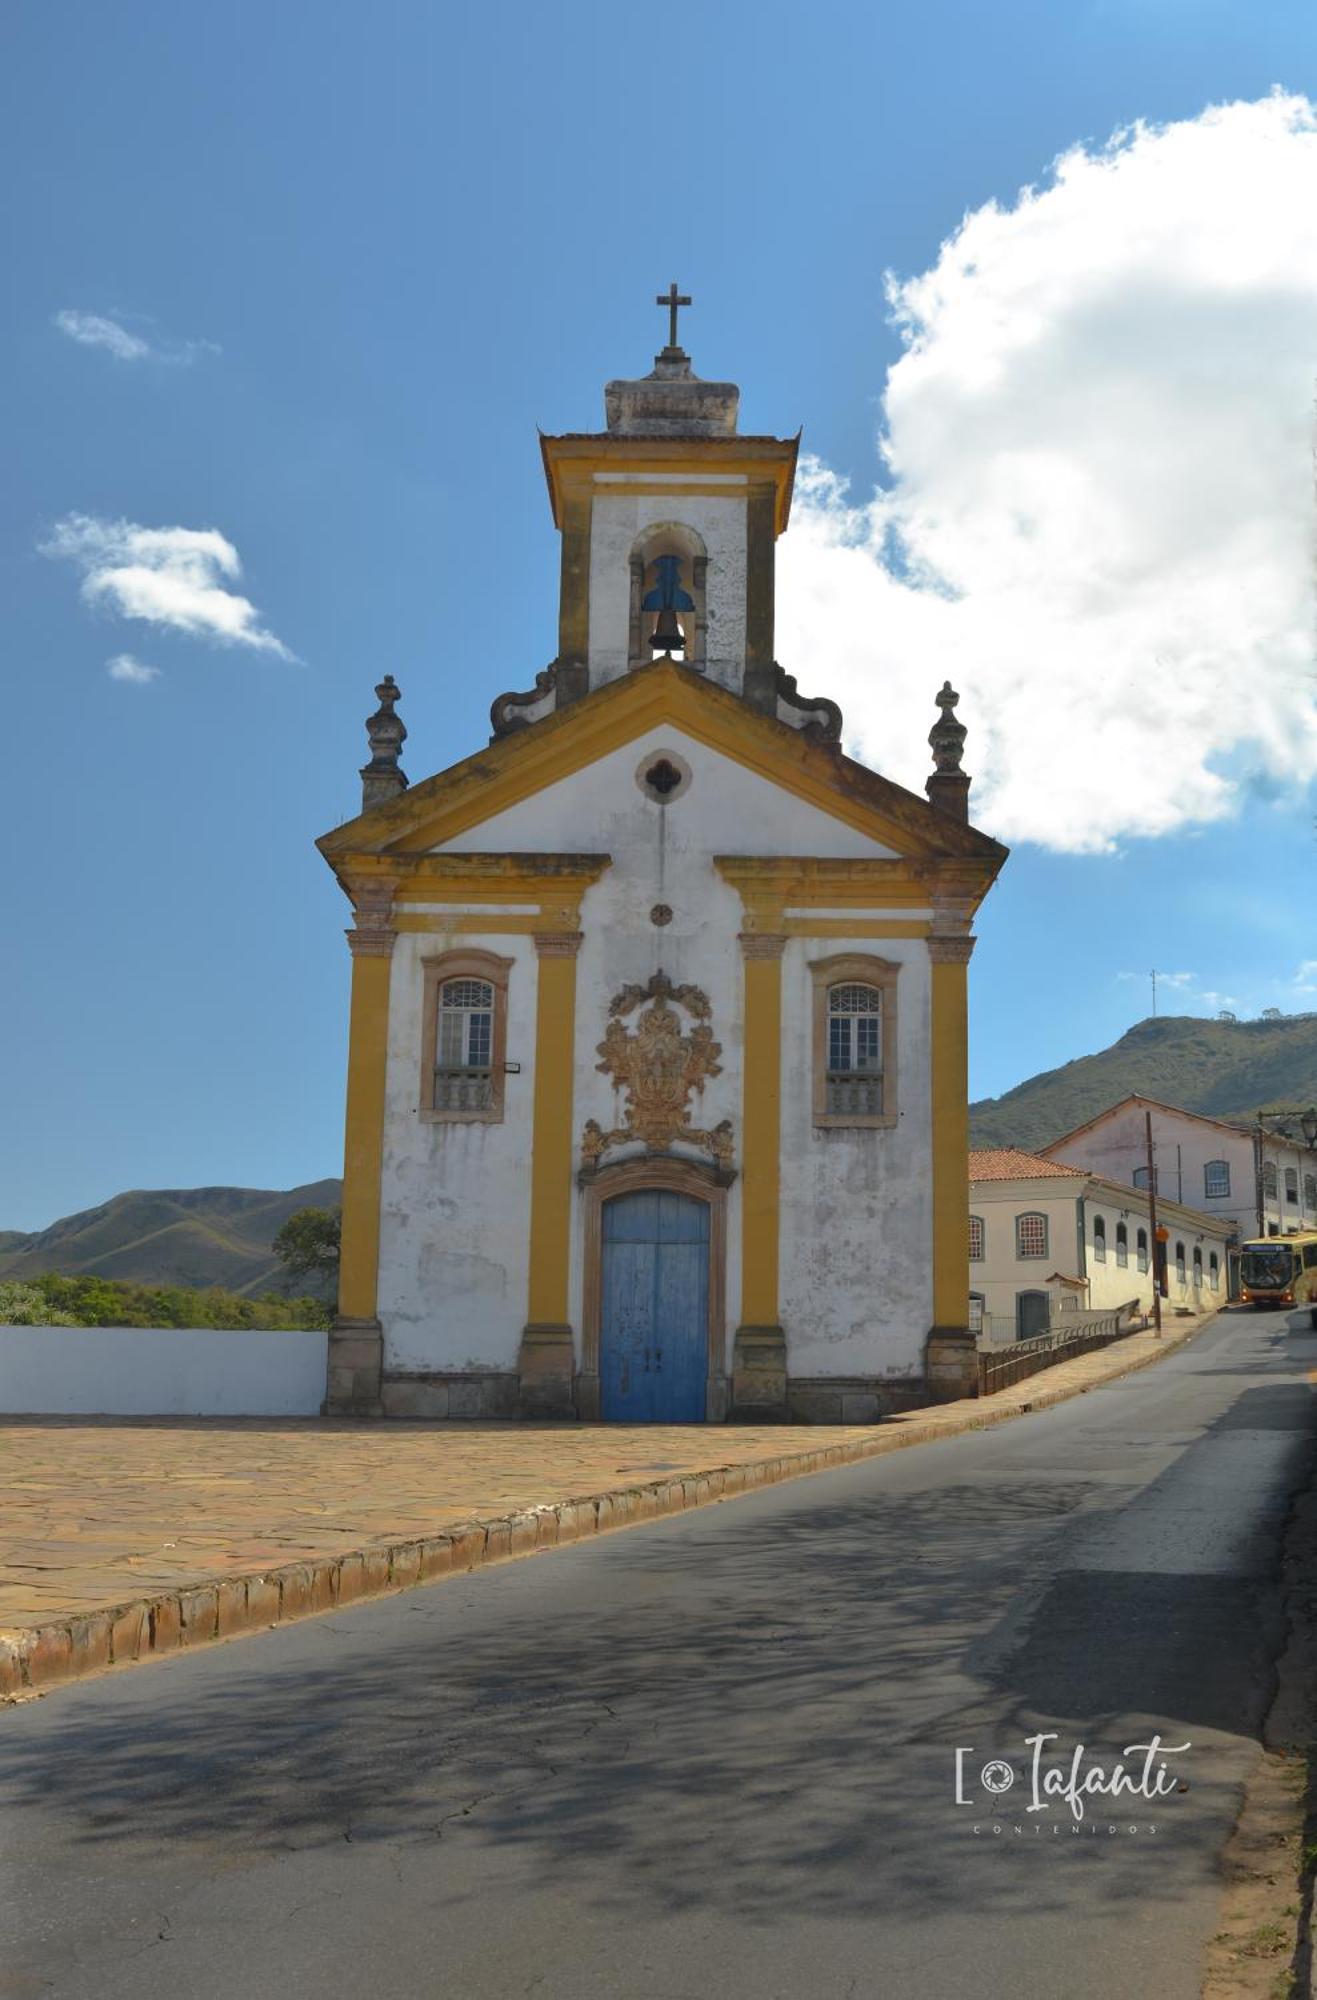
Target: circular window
{"points": [[663, 776]]}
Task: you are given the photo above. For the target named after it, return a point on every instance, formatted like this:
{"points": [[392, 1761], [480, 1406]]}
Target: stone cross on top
{"points": [[674, 301]]}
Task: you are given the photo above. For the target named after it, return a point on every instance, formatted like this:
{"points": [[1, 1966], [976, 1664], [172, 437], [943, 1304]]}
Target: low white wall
{"points": [[147, 1371]]}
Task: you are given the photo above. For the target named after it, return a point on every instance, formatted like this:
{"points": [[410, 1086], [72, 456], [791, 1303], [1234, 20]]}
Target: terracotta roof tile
{"points": [[1008, 1163]]}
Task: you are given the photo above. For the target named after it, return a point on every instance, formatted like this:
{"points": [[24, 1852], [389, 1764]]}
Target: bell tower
{"points": [[669, 519]]}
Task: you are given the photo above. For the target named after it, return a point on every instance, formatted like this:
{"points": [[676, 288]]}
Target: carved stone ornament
{"points": [[658, 1065], [818, 720], [517, 711]]}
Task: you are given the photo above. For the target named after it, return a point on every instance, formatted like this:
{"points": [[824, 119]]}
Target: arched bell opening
{"points": [[669, 566]]}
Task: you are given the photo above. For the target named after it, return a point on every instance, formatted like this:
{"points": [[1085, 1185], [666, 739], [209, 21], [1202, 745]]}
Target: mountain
{"points": [[1228, 1069], [170, 1236]]}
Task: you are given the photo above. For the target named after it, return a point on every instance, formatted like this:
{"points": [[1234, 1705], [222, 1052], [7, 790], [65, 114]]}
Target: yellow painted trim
{"points": [[481, 878], [572, 461], [761, 1122], [465, 925], [551, 1144], [950, 1112], [363, 1146], [664, 693], [857, 927]]}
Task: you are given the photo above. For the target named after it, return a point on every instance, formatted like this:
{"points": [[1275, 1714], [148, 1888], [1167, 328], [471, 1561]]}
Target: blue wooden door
{"points": [[654, 1336]]}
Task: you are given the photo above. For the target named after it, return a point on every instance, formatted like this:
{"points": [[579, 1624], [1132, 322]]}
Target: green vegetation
{"points": [[1225, 1069], [55, 1300], [194, 1237], [27, 1305], [307, 1246]]}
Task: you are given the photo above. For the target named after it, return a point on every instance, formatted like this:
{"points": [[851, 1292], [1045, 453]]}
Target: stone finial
{"points": [[386, 733], [948, 788]]}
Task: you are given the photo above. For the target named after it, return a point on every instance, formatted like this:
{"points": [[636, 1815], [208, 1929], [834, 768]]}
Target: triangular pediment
{"points": [[519, 766]]}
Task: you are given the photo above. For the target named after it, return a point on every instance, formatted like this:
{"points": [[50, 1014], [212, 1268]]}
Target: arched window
{"points": [[854, 1039], [976, 1239], [1179, 1263], [1141, 1249], [855, 1049], [1292, 1186], [1214, 1272], [1198, 1269], [1269, 1179], [1216, 1180], [1122, 1245], [1099, 1239], [669, 567], [1310, 1190], [465, 1036], [1141, 1179], [1031, 1235], [466, 1045]]}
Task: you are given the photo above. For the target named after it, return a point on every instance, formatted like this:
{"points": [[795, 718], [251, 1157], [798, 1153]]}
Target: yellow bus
{"points": [[1280, 1271]]}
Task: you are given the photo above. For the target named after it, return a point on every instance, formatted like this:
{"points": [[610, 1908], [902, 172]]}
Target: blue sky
{"points": [[367, 252]]}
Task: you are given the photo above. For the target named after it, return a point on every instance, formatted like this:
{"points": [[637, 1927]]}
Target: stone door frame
{"points": [[666, 1174]]}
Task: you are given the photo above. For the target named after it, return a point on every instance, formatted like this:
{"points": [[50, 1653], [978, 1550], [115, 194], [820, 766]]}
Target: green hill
{"points": [[1228, 1069], [170, 1236]]}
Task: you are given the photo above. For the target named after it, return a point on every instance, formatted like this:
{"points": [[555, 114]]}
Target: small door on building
{"points": [[1033, 1314], [654, 1331]]}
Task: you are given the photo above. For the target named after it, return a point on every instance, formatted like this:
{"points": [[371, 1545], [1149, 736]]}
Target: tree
{"points": [[27, 1305], [307, 1246]]}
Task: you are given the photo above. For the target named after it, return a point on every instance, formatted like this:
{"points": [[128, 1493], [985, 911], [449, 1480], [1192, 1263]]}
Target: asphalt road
{"points": [[714, 1755]]}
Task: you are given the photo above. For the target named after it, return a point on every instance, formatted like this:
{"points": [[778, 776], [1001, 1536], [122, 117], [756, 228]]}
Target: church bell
{"points": [[667, 636]]}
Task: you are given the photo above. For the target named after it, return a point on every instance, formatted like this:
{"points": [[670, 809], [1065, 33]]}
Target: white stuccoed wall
{"points": [[135, 1371], [456, 1197], [856, 1288], [616, 521]]}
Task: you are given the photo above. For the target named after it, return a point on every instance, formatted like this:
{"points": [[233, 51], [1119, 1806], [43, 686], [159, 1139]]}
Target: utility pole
{"points": [[1154, 993], [1152, 1222]]}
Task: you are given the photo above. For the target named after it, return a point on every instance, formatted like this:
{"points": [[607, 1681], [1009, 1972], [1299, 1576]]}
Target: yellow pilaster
{"points": [[759, 1362], [547, 1353], [950, 1102], [363, 1148], [761, 1125], [355, 1342]]}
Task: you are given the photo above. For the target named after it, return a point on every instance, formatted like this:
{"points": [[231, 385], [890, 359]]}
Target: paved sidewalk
{"points": [[122, 1539]]}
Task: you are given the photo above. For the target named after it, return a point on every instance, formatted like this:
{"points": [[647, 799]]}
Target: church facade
{"points": [[657, 1099]]}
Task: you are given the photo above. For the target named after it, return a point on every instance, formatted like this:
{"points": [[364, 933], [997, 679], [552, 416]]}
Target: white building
{"points": [[657, 1098], [1256, 1182], [1046, 1239]]}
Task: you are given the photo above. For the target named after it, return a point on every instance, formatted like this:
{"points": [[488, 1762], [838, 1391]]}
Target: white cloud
{"points": [[91, 330], [169, 577], [123, 667], [96, 330], [1097, 513]]}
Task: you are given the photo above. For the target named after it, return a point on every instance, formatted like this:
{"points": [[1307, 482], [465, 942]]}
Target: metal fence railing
{"points": [[1082, 1333]]}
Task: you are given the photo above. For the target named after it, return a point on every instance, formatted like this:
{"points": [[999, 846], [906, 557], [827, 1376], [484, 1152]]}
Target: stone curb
{"points": [[36, 1657]]}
